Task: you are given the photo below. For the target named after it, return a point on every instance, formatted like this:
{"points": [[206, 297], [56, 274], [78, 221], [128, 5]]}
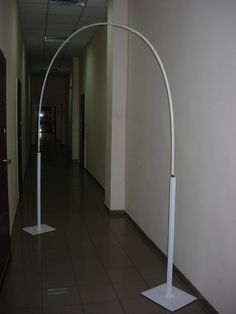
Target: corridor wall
{"points": [[196, 41], [13, 47], [93, 84]]}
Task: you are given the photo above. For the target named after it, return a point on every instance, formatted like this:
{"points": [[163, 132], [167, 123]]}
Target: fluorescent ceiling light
{"points": [[54, 39], [81, 3]]}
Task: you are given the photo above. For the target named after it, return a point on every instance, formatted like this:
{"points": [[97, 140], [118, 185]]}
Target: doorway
{"points": [[47, 124], [82, 129], [4, 211], [19, 135]]}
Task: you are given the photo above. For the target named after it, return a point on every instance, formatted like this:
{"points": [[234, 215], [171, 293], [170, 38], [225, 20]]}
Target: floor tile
{"points": [[152, 272], [119, 261], [58, 279], [97, 293], [142, 306], [73, 309], [129, 291], [124, 275], [107, 251], [103, 308], [22, 298], [92, 278], [54, 264], [83, 252], [147, 260], [23, 310], [88, 264], [61, 296], [194, 308]]}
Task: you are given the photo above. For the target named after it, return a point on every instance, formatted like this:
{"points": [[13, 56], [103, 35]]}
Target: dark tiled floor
{"points": [[92, 263]]}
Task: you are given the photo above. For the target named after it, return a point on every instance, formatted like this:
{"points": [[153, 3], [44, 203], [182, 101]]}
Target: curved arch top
{"points": [[159, 61]]}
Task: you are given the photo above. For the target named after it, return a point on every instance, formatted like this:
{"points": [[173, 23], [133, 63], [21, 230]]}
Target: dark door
{"points": [[19, 135], [4, 214], [81, 128]]}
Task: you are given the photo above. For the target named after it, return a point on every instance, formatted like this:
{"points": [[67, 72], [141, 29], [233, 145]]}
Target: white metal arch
{"points": [[158, 59], [165, 295]]}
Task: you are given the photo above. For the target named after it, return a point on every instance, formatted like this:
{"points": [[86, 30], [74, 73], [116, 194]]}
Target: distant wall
{"points": [[93, 84]]}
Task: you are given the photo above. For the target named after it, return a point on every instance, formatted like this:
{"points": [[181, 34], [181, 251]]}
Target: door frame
{"points": [[19, 132]]}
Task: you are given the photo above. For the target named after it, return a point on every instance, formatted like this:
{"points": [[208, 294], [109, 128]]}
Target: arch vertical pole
{"points": [[166, 295]]}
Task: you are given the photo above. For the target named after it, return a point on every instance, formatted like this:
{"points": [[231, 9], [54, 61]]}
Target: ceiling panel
{"points": [[40, 19], [33, 8], [56, 26], [58, 33], [33, 25], [26, 2], [63, 10], [97, 3], [35, 33], [63, 19]]}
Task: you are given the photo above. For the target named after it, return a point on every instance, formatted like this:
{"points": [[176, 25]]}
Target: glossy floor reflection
{"points": [[92, 263]]}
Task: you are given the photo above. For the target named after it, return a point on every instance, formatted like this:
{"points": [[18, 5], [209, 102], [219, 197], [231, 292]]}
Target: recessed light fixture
{"points": [[54, 39], [81, 3]]}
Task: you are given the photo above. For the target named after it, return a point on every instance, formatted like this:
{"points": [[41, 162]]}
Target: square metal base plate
{"points": [[35, 230], [177, 300]]}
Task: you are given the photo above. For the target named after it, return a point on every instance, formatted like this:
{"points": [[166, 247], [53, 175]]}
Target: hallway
{"points": [[93, 263]]}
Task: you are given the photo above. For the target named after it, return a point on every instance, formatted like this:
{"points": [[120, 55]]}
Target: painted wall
{"points": [[117, 44], [12, 45], [75, 110], [196, 40], [93, 84]]}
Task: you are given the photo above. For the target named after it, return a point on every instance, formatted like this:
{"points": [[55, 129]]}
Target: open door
{"points": [[4, 212]]}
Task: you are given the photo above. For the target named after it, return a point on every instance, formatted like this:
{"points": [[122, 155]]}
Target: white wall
{"points": [[75, 109], [196, 40], [117, 43], [12, 45], [93, 84]]}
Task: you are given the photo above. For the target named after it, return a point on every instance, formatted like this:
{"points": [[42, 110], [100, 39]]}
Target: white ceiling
{"points": [[39, 19]]}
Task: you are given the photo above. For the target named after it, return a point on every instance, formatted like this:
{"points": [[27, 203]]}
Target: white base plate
{"points": [[174, 302], [35, 230]]}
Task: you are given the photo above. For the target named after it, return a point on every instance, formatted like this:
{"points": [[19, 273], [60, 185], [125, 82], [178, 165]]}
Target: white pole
{"points": [[39, 190], [171, 231]]}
